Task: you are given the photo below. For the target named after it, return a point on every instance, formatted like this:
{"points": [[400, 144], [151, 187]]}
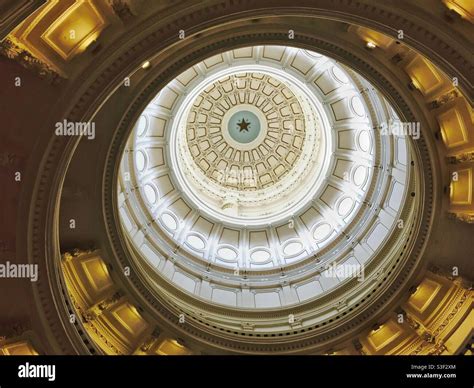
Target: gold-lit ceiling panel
{"points": [[61, 30], [74, 30], [461, 188], [452, 128], [383, 336], [465, 8], [368, 35], [172, 348], [424, 75], [21, 348], [424, 295]]}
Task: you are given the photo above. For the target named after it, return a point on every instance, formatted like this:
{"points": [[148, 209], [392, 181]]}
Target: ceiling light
{"points": [[370, 45], [376, 327], [178, 342], [413, 85], [146, 65]]}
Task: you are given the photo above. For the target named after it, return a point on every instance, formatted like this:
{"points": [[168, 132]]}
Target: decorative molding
{"points": [[466, 157], [121, 9], [461, 217], [12, 51], [444, 99]]}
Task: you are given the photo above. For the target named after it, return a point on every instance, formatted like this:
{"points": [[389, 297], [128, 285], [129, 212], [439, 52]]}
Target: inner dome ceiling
{"points": [[199, 229], [250, 182]]}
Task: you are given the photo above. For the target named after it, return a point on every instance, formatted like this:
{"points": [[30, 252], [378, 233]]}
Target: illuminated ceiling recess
{"points": [[253, 172], [62, 30]]}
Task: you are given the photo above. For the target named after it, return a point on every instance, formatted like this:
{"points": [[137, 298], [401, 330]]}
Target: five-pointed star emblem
{"points": [[244, 125]]}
